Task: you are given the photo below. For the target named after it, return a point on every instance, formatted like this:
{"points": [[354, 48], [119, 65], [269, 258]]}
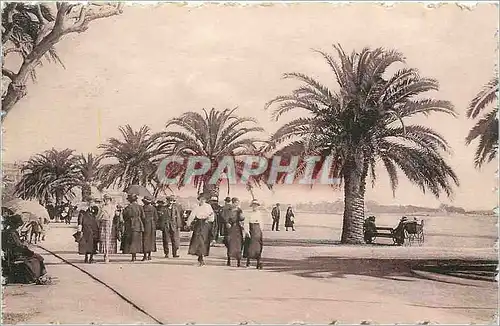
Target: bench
{"points": [[383, 232]]}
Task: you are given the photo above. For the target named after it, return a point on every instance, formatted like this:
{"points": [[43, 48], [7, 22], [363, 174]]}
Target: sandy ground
{"points": [[312, 284]]}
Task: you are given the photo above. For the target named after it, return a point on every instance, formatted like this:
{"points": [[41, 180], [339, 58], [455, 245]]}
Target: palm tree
{"points": [[364, 123], [88, 166], [486, 129], [136, 158], [214, 134], [52, 173]]}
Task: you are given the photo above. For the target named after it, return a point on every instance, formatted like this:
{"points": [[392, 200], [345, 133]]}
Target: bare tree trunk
{"points": [[354, 200], [49, 35]]}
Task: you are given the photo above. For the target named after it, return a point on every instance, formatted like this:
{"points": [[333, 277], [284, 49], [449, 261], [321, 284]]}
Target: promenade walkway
{"points": [[317, 284]]}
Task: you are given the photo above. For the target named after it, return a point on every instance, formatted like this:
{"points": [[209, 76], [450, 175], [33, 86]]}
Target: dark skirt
{"points": [[253, 244], [26, 270], [289, 222], [235, 241], [87, 244], [200, 240], [132, 242], [149, 240]]}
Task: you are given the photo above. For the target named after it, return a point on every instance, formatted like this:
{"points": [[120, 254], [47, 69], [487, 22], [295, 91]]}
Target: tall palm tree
{"points": [[52, 173], [486, 129], [213, 134], [136, 157], [88, 166], [364, 122]]}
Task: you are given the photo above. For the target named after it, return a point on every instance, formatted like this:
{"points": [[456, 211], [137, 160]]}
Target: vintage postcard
{"points": [[249, 163]]}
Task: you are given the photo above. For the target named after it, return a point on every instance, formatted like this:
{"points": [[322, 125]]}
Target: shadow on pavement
{"points": [[322, 267]]}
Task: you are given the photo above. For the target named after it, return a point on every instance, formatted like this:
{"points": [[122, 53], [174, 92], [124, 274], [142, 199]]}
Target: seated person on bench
{"points": [[399, 234], [370, 229], [20, 264]]}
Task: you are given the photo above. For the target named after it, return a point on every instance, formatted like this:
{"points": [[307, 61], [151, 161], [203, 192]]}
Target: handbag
{"points": [[78, 236]]}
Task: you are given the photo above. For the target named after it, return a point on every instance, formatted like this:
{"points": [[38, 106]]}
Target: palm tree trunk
{"points": [[86, 192], [59, 197], [211, 189], [250, 189], [354, 201]]}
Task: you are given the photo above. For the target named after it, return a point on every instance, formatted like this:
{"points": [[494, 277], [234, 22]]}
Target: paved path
{"points": [[74, 298], [298, 284]]}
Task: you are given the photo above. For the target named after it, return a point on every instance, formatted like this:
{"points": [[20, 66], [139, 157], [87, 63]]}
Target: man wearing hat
{"points": [[169, 222], [225, 215], [275, 214], [149, 220], [133, 215], [369, 229]]}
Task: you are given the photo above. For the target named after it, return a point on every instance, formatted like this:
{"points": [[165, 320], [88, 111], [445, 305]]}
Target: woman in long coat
{"points": [[88, 230], [253, 231], [201, 220], [235, 233], [133, 215], [149, 220], [289, 218]]}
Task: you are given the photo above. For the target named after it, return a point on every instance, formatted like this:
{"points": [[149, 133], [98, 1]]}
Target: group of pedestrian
{"points": [[103, 224], [242, 235], [289, 218]]}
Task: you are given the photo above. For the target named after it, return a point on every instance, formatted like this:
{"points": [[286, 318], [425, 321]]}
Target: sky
{"points": [[153, 63]]}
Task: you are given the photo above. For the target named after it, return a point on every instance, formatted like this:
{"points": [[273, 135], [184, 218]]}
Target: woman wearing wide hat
{"points": [[235, 233], [133, 215], [150, 219], [253, 240], [88, 232], [200, 220], [19, 263]]}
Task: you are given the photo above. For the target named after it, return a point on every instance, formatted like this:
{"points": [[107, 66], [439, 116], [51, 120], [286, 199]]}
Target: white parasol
{"points": [[28, 209]]}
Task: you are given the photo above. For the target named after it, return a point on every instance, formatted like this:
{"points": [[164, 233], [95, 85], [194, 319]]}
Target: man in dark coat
{"points": [[275, 214], [369, 229], [149, 220], [133, 215], [169, 221]]}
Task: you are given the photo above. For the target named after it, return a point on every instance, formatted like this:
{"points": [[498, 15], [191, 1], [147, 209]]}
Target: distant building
{"points": [[11, 172]]}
